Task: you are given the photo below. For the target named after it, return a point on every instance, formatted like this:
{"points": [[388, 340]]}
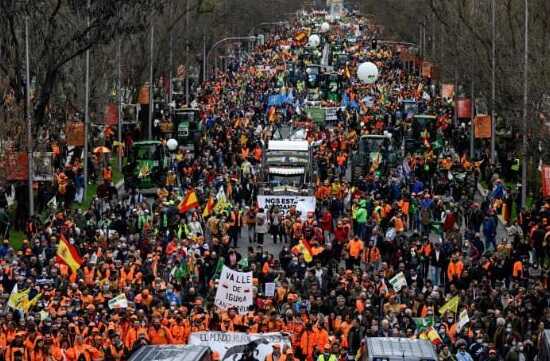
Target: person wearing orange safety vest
{"points": [[517, 270], [308, 341], [159, 334], [455, 269], [180, 330], [371, 255], [107, 174], [78, 351]]}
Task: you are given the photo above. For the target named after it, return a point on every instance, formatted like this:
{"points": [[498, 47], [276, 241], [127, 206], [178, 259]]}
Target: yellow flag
{"points": [[18, 299], [27, 305], [451, 305]]}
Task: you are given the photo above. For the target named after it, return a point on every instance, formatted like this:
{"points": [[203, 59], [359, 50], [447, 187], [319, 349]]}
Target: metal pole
{"points": [[86, 110], [493, 80], [171, 66], [151, 87], [473, 94], [424, 47], [472, 127], [433, 36], [421, 47], [29, 120], [120, 100], [525, 94], [204, 60], [187, 72]]}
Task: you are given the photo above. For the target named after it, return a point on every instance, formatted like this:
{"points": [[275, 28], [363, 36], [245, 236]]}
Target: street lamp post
{"points": [[188, 73], [525, 100], [120, 100], [219, 42], [151, 86], [493, 80], [29, 119], [86, 109]]}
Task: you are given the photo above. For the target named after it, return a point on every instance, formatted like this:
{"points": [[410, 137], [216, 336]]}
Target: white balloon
{"points": [[314, 41], [367, 73], [172, 144], [325, 27]]}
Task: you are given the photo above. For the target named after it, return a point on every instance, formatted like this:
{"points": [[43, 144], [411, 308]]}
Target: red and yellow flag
{"points": [[188, 202], [209, 207], [306, 250], [68, 254], [272, 114], [347, 73]]}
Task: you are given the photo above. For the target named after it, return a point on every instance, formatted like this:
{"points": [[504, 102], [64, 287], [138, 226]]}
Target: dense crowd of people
{"points": [[413, 216]]}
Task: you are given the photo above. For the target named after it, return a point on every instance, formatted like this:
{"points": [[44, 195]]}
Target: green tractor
{"points": [[147, 165], [188, 127], [372, 150]]}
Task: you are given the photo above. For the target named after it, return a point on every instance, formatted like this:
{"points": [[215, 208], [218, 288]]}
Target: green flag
{"points": [[423, 323], [182, 271], [243, 263], [218, 270]]}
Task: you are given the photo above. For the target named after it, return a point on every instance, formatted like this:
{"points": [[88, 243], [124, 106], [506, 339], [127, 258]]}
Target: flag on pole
{"points": [[221, 201], [434, 337], [18, 298], [272, 114], [209, 208], [219, 267], [188, 202], [27, 305], [181, 271], [305, 249], [347, 73], [68, 254], [463, 320], [422, 323], [451, 305], [119, 301]]}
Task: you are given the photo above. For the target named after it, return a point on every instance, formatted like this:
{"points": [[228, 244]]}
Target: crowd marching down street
{"points": [[380, 232]]}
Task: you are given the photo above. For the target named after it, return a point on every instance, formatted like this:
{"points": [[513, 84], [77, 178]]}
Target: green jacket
{"points": [[361, 215]]}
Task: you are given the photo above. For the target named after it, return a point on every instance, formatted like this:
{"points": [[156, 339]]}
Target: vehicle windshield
{"points": [[312, 76], [372, 145], [295, 180], [146, 152]]}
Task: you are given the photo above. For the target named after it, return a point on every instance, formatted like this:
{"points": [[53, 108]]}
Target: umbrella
{"points": [[102, 150]]}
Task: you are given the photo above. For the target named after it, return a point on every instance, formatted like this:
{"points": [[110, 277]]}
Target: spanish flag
{"points": [[272, 114], [68, 254], [188, 202], [347, 73], [431, 335], [209, 207]]}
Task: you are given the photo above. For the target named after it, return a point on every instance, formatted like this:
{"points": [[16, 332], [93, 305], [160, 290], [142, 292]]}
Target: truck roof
{"points": [[147, 142], [170, 353], [294, 145], [287, 171], [396, 347]]}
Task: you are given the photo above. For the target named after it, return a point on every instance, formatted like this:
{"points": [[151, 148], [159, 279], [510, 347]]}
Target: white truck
{"points": [[288, 167]]}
